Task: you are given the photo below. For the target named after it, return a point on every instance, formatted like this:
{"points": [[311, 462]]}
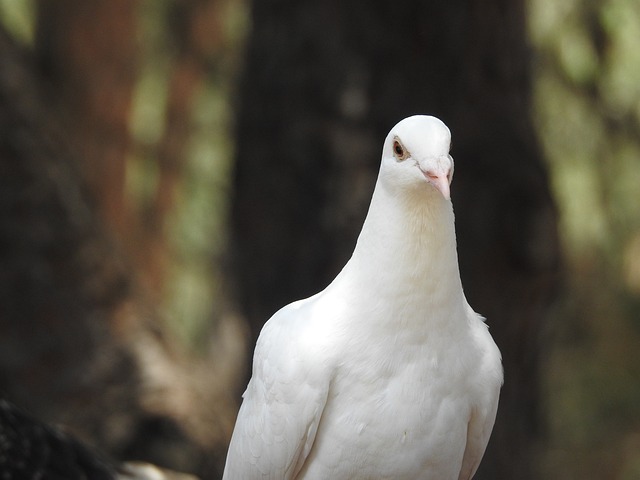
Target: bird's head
{"points": [[416, 155]]}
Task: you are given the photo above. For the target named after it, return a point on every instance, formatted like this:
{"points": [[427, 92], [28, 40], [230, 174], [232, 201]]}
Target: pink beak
{"points": [[440, 181]]}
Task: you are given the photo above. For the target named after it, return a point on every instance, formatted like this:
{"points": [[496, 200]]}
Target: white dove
{"points": [[388, 372]]}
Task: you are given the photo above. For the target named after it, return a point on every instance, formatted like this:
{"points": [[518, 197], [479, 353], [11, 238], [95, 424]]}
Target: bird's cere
{"points": [[387, 372], [440, 180]]}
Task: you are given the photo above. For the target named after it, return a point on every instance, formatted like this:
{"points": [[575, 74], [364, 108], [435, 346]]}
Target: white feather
{"points": [[387, 373]]}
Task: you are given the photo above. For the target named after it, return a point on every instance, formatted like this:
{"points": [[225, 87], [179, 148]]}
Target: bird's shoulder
{"points": [[487, 378], [296, 343], [284, 400], [488, 361]]}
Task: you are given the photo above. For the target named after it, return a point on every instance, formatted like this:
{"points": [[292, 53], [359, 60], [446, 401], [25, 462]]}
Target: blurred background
{"points": [[173, 171]]}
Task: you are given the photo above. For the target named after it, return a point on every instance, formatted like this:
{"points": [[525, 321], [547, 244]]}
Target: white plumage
{"points": [[388, 372]]}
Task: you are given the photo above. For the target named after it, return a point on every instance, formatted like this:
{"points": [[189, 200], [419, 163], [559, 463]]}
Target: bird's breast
{"points": [[402, 419]]}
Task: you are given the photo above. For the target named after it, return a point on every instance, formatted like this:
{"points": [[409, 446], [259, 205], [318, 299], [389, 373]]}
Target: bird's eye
{"points": [[398, 150]]}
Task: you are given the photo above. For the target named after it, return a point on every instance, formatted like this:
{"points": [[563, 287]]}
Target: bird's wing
{"points": [[478, 432], [282, 405], [483, 414]]}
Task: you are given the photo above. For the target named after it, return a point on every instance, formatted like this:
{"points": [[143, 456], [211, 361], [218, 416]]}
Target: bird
{"points": [[387, 373]]}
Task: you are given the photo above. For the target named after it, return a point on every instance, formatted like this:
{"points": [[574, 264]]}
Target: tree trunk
{"points": [[63, 287], [324, 82], [87, 53], [80, 344]]}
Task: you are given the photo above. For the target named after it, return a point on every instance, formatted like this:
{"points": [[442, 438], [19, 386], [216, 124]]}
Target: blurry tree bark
{"points": [[80, 342], [87, 52], [64, 288], [75, 335], [323, 83]]}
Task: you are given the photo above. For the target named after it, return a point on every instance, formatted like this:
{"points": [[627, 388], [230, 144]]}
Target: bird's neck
{"points": [[407, 253]]}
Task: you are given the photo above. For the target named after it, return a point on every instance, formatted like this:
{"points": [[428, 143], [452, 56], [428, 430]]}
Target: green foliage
{"points": [[17, 16], [587, 94], [197, 225]]}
